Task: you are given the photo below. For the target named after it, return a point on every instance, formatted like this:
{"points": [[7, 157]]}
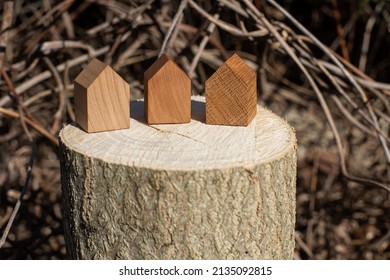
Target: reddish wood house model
{"points": [[231, 95], [102, 99], [167, 93]]}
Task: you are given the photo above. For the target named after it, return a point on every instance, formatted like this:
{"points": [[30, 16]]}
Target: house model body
{"points": [[231, 94], [167, 93], [102, 99]]}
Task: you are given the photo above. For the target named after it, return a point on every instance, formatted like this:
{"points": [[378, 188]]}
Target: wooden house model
{"points": [[102, 99], [231, 94], [167, 93]]}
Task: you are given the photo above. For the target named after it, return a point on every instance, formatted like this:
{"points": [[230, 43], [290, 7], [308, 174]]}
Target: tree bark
{"points": [[191, 191]]}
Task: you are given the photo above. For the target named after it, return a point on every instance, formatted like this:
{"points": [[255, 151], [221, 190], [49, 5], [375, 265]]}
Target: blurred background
{"points": [[329, 78]]}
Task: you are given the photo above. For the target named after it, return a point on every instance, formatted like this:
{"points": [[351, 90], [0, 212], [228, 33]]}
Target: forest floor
{"points": [[47, 43]]}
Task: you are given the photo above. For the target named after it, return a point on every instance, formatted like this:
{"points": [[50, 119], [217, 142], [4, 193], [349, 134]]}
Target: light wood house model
{"points": [[102, 99]]}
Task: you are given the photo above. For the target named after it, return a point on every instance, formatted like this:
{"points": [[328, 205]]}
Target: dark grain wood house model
{"points": [[167, 93], [102, 99], [231, 95]]}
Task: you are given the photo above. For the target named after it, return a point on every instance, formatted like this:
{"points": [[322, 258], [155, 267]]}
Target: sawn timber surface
{"points": [[191, 146]]}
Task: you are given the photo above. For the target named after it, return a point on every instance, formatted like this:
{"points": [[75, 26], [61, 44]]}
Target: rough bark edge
{"points": [[78, 234]]}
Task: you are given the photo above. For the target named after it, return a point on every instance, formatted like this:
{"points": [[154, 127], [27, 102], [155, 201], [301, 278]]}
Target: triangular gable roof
{"points": [[158, 64], [239, 67], [94, 68]]}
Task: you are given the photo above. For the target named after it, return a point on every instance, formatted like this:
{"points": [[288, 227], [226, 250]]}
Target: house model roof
{"points": [[90, 73]]}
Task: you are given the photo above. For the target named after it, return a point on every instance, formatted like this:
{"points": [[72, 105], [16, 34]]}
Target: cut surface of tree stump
{"points": [[102, 99], [189, 191], [231, 94], [167, 93]]}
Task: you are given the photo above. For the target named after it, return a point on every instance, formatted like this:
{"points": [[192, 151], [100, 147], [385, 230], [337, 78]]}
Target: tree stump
{"points": [[183, 191]]}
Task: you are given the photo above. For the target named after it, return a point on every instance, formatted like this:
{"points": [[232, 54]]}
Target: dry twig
{"points": [[5, 29], [20, 199], [130, 34]]}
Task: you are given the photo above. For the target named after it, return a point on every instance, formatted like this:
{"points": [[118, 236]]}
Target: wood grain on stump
{"points": [[188, 191]]}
